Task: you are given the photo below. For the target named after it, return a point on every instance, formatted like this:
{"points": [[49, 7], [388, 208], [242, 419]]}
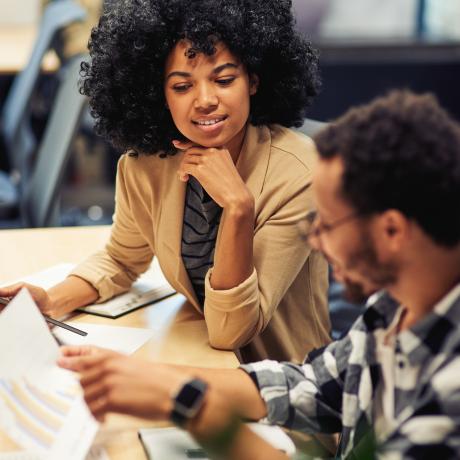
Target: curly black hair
{"points": [[400, 152], [129, 47]]}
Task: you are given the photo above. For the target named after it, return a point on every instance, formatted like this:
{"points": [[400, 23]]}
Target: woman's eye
{"points": [[225, 81], [181, 88]]}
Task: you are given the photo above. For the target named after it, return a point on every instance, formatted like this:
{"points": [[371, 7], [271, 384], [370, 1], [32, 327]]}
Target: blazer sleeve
{"points": [[126, 255], [237, 315]]}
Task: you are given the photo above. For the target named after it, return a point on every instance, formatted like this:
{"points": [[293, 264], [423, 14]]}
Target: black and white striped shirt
{"points": [[199, 233]]}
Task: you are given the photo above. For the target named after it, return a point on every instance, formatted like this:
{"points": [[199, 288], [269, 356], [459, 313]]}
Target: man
{"points": [[387, 188]]}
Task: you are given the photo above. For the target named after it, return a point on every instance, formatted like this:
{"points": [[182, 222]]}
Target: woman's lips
{"points": [[210, 125]]}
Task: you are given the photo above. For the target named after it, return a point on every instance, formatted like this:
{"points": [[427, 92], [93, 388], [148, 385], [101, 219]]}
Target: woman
{"points": [[199, 94]]}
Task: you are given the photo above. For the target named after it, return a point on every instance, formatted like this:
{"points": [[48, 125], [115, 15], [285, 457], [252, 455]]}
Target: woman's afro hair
{"points": [[129, 47]]}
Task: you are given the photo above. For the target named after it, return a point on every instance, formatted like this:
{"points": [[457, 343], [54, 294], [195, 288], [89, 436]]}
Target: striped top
{"points": [[199, 233]]}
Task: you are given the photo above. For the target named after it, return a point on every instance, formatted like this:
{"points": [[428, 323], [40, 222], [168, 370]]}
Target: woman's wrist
{"points": [[70, 294], [240, 205], [51, 307]]}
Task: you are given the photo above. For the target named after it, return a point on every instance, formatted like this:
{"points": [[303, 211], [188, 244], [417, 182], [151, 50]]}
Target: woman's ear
{"points": [[253, 84]]}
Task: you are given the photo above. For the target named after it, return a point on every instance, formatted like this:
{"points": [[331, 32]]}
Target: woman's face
{"points": [[208, 96]]}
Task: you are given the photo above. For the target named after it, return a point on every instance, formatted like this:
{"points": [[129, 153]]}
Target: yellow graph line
{"points": [[35, 408], [46, 439], [71, 391], [52, 400], [7, 444]]}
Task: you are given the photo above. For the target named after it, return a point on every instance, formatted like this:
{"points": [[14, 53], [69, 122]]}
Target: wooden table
{"points": [[183, 338], [16, 43]]}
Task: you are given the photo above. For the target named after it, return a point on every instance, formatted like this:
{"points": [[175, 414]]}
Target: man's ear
{"points": [[394, 229], [253, 84]]}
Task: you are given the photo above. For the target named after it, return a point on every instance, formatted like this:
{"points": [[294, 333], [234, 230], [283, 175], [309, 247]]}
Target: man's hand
{"points": [[113, 382]]}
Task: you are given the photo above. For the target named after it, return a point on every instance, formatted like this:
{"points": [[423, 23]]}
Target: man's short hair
{"points": [[401, 151]]}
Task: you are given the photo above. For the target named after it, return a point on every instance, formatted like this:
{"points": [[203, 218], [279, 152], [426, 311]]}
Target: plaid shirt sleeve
{"points": [[433, 430], [304, 397]]}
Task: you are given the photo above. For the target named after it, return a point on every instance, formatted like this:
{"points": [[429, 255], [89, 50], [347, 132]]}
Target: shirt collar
{"points": [[380, 311], [428, 336]]}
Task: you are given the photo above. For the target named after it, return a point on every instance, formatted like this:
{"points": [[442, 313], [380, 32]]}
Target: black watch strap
{"points": [[188, 401]]}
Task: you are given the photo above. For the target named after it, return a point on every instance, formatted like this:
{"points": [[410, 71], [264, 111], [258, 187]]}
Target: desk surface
{"points": [[183, 338], [16, 43]]}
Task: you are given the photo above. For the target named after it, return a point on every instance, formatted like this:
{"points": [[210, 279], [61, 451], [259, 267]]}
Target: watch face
{"points": [[189, 400], [189, 395]]}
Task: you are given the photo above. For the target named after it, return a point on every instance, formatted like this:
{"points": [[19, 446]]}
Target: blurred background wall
{"points": [[369, 46], [19, 12], [366, 48]]}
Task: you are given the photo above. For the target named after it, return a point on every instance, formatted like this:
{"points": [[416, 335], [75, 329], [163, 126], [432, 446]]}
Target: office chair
{"points": [[17, 137], [39, 203]]}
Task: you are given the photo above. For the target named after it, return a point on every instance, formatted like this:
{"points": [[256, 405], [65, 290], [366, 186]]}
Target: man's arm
{"points": [[117, 383], [306, 397], [222, 434]]}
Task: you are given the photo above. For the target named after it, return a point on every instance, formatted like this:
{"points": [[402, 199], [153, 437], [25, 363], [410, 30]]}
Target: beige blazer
{"points": [[280, 311]]}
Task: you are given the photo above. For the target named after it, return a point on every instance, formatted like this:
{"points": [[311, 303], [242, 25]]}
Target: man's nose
{"points": [[314, 241]]}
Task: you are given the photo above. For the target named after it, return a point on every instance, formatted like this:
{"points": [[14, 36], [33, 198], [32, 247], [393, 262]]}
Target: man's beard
{"points": [[379, 275], [355, 292]]}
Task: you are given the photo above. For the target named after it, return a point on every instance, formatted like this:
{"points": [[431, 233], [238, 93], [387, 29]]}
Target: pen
{"points": [[54, 322]]}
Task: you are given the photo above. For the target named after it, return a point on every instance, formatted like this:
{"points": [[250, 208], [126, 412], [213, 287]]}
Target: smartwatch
{"points": [[188, 401]]}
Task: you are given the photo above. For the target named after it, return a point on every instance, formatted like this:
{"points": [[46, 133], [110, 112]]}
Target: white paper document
{"points": [[26, 345], [122, 339], [42, 411], [46, 278], [176, 444]]}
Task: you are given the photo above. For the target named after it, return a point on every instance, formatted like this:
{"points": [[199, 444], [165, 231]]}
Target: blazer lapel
{"points": [[170, 229], [253, 160]]}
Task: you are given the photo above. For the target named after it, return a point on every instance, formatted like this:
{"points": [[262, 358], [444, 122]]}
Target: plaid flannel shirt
{"points": [[334, 390]]}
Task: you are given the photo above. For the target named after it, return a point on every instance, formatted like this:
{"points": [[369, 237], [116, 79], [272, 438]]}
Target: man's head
{"points": [[389, 175]]}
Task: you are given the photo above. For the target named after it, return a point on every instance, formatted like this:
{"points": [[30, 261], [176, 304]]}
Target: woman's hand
{"points": [[113, 382], [215, 171], [40, 296]]}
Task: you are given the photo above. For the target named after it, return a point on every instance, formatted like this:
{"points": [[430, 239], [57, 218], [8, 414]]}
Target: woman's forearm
{"points": [[72, 293], [233, 259]]}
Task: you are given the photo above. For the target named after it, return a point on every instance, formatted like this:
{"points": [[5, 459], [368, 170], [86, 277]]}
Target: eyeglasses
{"points": [[311, 227]]}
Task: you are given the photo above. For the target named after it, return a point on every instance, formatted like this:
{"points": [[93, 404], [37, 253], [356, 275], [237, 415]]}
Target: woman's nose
{"points": [[206, 97]]}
